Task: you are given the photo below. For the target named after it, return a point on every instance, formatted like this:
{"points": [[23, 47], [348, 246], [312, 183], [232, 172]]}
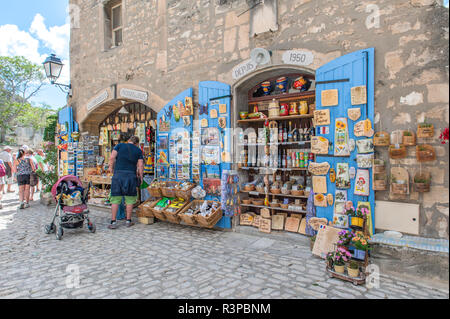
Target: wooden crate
{"points": [[211, 220], [145, 209], [188, 219], [146, 220]]}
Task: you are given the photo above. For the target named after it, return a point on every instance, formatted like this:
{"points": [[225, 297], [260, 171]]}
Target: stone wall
{"points": [[171, 45]]}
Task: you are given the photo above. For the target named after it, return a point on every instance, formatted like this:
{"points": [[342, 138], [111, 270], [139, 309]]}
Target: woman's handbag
{"points": [[34, 179]]}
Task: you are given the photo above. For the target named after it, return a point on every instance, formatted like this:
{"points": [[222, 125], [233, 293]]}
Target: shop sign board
{"points": [[97, 100], [134, 94], [298, 57], [243, 69]]}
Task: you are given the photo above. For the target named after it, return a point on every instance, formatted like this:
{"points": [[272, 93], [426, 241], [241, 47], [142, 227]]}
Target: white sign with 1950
{"points": [[298, 57]]}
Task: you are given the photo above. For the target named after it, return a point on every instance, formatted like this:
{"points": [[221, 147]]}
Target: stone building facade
{"points": [[170, 45]]}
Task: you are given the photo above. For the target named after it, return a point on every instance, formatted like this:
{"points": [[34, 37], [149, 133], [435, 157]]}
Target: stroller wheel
{"points": [[91, 227], [49, 229], [59, 233]]}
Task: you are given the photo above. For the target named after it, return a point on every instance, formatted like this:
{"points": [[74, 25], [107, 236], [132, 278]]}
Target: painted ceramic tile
{"points": [[365, 146], [342, 176], [364, 160], [362, 183], [341, 147]]}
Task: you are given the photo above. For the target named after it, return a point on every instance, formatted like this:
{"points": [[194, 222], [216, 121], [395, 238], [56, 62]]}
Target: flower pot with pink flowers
{"points": [[338, 258]]}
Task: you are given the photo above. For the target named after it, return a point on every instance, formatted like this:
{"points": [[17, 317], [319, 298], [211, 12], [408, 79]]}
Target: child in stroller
{"points": [[71, 206]]}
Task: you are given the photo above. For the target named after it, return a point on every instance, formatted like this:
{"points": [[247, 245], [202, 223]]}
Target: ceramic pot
{"points": [[266, 87], [284, 109], [302, 84], [243, 115], [357, 221], [353, 272], [303, 107], [282, 84], [339, 269]]}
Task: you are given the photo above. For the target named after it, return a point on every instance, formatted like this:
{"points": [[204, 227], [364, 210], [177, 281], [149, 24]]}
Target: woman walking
{"points": [[24, 167]]}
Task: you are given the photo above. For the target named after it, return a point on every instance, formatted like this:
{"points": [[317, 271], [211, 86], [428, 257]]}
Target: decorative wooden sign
{"points": [[213, 114], [316, 222], [278, 222], [320, 200], [292, 224], [330, 199], [265, 225], [318, 168], [246, 219], [319, 184], [265, 213], [330, 97], [319, 145], [204, 123], [359, 95], [354, 113], [222, 108], [363, 128], [326, 239], [302, 227], [365, 146], [256, 221], [321, 117]]}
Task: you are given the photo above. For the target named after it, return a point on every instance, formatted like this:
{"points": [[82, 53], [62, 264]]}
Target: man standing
{"points": [[7, 159], [127, 165]]}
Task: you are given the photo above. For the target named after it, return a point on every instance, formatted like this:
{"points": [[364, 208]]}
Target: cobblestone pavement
{"points": [[166, 261]]}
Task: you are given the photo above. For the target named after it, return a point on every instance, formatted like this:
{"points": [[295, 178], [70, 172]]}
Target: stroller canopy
{"points": [[68, 178]]}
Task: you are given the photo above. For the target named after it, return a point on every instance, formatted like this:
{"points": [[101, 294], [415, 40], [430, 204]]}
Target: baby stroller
{"points": [[71, 206]]}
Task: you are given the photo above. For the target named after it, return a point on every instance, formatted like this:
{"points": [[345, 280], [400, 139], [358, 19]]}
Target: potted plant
{"points": [[50, 176], [345, 238], [338, 258], [422, 182], [425, 130], [409, 138], [356, 216], [361, 244], [353, 269]]}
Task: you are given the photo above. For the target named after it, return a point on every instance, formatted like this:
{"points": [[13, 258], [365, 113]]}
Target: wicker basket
{"points": [[275, 191], [159, 214], [297, 193], [258, 202], [425, 153], [274, 205], [173, 217], [425, 132], [260, 189], [249, 188], [246, 201], [184, 194], [409, 140], [285, 191], [284, 206], [168, 190], [211, 220], [146, 209], [381, 139], [154, 191], [188, 219]]}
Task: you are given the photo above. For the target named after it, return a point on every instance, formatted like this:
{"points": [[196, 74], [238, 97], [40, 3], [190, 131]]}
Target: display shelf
{"points": [[275, 208], [280, 195], [278, 144], [283, 97], [277, 118], [276, 169]]}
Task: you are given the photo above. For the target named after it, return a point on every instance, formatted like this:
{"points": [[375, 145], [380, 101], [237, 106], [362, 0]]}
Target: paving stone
{"points": [[212, 264]]}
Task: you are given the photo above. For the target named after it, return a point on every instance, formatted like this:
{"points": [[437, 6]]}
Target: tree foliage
{"points": [[20, 80], [50, 129], [49, 177]]}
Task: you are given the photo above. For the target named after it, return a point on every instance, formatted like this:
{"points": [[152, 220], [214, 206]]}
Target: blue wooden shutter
{"points": [[343, 73], [208, 92]]}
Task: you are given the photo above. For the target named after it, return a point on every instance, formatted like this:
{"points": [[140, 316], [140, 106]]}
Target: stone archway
{"points": [[108, 100], [241, 87]]}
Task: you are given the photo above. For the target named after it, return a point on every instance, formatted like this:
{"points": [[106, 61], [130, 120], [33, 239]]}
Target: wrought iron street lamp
{"points": [[53, 67]]}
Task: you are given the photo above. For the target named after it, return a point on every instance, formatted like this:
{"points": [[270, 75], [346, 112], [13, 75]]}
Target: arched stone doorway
{"points": [[241, 88]]}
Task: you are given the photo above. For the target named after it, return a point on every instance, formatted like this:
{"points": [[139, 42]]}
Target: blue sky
{"points": [[36, 28]]}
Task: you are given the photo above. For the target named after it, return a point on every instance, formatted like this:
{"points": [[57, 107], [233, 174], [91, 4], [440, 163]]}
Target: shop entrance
{"points": [[128, 120], [288, 118]]}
